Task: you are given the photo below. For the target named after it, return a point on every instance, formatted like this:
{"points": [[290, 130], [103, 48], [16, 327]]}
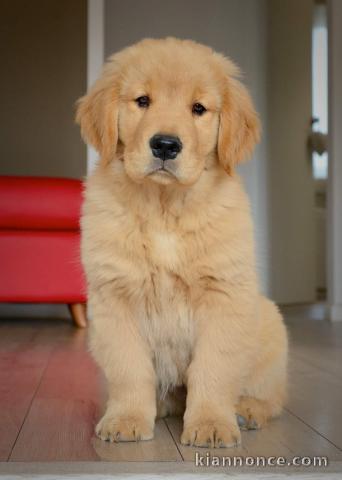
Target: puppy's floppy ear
{"points": [[239, 129], [97, 114]]}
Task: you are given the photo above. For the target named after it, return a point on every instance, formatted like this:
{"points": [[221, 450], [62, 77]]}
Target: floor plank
{"points": [[24, 354], [315, 380], [286, 436], [316, 398], [60, 425], [161, 449], [52, 394]]}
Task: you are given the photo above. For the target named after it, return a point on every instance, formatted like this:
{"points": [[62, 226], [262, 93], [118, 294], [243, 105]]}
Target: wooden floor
{"points": [[51, 396]]}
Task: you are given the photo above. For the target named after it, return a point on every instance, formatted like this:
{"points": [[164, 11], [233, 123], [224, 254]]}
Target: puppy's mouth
{"points": [[161, 168]]}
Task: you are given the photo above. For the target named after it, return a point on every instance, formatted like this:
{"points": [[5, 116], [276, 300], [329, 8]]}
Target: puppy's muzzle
{"points": [[165, 147]]}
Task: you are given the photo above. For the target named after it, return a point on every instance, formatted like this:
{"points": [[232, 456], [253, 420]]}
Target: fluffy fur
{"points": [[169, 257]]}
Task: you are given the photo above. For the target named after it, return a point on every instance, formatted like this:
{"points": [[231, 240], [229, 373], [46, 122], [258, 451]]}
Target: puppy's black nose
{"points": [[165, 147]]}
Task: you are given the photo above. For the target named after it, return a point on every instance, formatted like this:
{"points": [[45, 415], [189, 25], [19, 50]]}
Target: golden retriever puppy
{"points": [[167, 246]]}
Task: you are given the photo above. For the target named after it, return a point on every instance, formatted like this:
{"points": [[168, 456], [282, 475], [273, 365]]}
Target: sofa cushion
{"points": [[41, 266], [39, 203]]}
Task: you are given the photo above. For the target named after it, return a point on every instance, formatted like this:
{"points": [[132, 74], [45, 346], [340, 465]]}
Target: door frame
{"points": [[334, 224], [95, 55]]}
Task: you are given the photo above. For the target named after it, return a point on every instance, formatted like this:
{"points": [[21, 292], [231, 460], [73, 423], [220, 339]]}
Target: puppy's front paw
{"points": [[124, 428], [211, 434]]}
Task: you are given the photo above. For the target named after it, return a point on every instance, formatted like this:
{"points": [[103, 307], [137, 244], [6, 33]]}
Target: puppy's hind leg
{"points": [[264, 393], [173, 404]]}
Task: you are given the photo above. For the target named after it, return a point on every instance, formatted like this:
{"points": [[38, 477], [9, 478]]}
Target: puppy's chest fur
{"points": [[166, 320]]}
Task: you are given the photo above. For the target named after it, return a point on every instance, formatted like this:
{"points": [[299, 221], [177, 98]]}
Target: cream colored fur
{"points": [[169, 259]]}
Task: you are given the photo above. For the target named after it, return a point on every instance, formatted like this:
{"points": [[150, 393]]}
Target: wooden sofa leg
{"points": [[79, 314]]}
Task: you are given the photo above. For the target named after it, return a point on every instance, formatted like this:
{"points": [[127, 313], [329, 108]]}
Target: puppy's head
{"points": [[168, 109]]}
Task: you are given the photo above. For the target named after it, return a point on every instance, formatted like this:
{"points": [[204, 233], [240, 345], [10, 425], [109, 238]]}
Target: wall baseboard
{"points": [[336, 312]]}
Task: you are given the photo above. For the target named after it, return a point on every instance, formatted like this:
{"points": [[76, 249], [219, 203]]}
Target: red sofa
{"points": [[39, 243]]}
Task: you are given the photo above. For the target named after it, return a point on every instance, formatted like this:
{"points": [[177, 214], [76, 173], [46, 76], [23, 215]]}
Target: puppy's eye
{"points": [[198, 109], [143, 102]]}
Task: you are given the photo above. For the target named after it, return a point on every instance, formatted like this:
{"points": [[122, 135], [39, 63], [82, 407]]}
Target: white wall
{"points": [[95, 57], [238, 29], [335, 160], [43, 60], [293, 234]]}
